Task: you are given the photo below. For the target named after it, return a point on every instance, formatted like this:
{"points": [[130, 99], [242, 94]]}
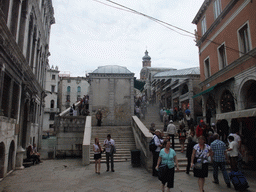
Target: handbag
{"points": [[162, 170], [199, 165]]}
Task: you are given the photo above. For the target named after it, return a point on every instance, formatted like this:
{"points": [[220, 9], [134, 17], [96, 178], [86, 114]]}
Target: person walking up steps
{"points": [[109, 144], [219, 157], [172, 131]]}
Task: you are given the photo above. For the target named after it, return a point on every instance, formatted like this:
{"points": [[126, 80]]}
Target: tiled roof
{"points": [[179, 72]]}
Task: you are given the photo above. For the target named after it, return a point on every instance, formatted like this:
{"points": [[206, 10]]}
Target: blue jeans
{"points": [[216, 165]]}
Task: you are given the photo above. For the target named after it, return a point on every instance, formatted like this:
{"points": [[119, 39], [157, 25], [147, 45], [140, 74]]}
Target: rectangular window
{"points": [[244, 39], [15, 100], [53, 88], [207, 68], [53, 77], [52, 115], [203, 25], [68, 98], [6, 95], [222, 57], [217, 8]]}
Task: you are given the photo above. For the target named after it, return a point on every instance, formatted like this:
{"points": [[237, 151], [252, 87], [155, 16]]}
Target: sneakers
{"points": [[216, 182], [228, 185]]}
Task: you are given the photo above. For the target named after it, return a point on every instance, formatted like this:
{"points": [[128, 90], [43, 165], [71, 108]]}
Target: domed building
{"points": [[112, 91]]}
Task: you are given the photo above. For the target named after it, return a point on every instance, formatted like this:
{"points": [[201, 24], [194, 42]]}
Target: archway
{"points": [[227, 103], [11, 157], [2, 159], [184, 89], [248, 93]]}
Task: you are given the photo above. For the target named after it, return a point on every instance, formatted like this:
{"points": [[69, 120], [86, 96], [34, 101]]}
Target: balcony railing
{"points": [[51, 110]]}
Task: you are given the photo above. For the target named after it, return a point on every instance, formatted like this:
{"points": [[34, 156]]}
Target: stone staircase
{"points": [[152, 116], [124, 141]]}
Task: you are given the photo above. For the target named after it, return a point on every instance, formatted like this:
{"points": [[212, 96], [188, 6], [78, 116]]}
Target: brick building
{"points": [[227, 53]]}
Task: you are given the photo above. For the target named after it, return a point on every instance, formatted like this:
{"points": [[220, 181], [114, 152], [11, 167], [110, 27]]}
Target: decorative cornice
{"points": [[201, 11]]}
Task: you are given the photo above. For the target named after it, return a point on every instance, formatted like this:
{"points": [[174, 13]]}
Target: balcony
{"points": [[51, 110]]}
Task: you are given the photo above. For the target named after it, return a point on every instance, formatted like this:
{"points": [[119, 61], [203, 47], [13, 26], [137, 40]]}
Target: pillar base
{"points": [[19, 158]]}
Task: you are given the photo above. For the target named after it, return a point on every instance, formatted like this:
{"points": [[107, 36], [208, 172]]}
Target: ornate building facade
{"points": [[24, 50], [227, 53]]}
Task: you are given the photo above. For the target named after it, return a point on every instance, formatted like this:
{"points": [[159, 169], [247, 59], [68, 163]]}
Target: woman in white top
{"points": [[97, 155]]}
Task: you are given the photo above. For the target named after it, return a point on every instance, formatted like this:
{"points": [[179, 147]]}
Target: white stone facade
{"points": [[71, 90], [113, 93], [24, 50], [51, 108]]}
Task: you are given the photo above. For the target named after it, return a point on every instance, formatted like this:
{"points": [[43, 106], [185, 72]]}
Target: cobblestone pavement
{"points": [[70, 176]]}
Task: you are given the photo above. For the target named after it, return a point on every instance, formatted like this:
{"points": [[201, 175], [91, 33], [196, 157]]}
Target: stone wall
{"points": [[114, 95]]}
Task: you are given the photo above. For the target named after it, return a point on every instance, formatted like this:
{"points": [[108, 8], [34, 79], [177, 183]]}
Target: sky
{"points": [[88, 34]]}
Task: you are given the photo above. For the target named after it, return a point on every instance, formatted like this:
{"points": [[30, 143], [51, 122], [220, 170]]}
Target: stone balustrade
{"points": [[87, 141], [142, 138]]}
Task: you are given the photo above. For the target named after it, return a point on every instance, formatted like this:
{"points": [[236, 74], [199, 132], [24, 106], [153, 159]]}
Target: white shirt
{"points": [[237, 138], [157, 143], [108, 144], [234, 146], [96, 148], [74, 112], [171, 129]]}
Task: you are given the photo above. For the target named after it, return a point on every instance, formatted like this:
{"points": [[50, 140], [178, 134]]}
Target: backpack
{"points": [[152, 145]]}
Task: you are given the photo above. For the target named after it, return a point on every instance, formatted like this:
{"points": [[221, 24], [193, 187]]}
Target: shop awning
{"points": [[203, 92], [210, 89], [237, 114]]}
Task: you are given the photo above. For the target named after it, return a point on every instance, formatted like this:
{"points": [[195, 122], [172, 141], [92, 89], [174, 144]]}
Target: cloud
{"points": [[88, 34]]}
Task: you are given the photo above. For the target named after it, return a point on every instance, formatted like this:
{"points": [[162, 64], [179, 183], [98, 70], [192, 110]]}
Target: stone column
{"points": [[19, 158]]}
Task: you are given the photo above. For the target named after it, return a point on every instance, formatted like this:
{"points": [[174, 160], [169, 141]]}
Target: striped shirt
{"points": [[219, 148]]}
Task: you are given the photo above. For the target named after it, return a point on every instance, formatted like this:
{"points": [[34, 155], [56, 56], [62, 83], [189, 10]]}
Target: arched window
{"points": [[184, 89], [52, 103], [68, 89], [227, 103], [78, 89]]}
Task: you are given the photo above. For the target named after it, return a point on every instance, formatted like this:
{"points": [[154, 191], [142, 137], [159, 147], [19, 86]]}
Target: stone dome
{"points": [[146, 57], [112, 69]]}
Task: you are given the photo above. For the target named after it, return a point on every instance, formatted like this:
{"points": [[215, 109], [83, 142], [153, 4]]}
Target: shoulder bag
{"points": [[162, 170]]}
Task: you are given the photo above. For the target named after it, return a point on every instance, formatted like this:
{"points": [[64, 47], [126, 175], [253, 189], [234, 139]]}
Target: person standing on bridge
{"points": [[158, 142], [109, 144], [99, 117]]}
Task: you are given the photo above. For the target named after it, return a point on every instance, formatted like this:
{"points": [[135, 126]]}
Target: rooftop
{"points": [[187, 71], [112, 69]]}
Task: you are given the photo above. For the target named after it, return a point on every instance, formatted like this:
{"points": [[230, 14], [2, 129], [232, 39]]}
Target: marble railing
{"points": [[142, 138], [67, 124], [87, 141]]}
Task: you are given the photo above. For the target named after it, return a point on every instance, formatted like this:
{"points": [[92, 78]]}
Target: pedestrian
{"points": [[158, 142], [97, 155], [233, 153], [200, 128], [167, 157], [199, 159], [172, 131], [189, 151], [182, 137], [152, 128], [109, 144], [99, 117], [219, 158], [188, 119], [208, 116], [161, 113], [71, 111]]}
